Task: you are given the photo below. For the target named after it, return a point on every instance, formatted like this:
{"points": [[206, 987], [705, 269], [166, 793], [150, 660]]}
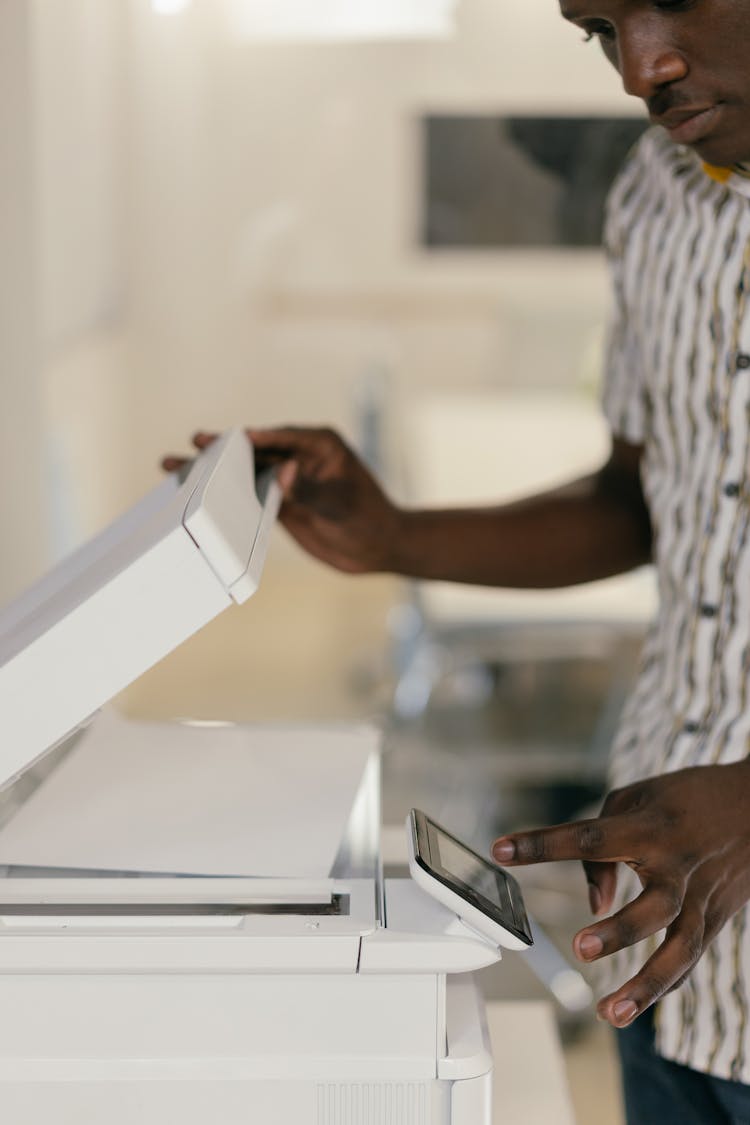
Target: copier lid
{"points": [[125, 599]]}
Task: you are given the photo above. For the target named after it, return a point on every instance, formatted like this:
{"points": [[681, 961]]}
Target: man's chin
{"points": [[722, 154]]}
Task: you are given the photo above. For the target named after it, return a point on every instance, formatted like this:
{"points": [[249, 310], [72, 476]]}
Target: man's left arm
{"points": [[687, 837]]}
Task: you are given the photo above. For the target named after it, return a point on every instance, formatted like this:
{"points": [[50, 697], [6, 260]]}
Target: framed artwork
{"points": [[490, 182]]}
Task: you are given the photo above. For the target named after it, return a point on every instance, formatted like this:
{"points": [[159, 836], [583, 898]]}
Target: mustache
{"points": [[665, 101]]}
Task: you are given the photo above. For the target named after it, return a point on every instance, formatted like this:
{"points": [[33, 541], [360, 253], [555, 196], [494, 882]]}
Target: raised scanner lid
{"points": [[125, 599]]}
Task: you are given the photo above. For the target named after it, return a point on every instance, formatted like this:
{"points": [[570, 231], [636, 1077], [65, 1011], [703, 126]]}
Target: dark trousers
{"points": [[659, 1092]]}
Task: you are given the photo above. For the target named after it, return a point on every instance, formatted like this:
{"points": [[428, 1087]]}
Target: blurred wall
{"points": [[205, 231], [61, 275], [23, 515], [80, 169], [275, 214]]}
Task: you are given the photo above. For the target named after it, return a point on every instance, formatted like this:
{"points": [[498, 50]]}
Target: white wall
{"points": [[273, 245], [22, 494], [201, 231], [79, 165], [79, 55]]}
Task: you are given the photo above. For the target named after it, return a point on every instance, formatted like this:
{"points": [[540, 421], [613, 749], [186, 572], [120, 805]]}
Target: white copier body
{"points": [[193, 920]]}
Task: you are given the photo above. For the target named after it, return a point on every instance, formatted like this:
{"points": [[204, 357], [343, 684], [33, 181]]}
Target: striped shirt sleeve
{"points": [[624, 393]]}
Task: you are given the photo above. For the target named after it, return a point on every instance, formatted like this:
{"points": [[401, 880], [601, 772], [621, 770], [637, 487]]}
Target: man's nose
{"points": [[646, 65]]}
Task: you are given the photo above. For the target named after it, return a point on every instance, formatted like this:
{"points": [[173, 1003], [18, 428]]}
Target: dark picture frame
{"points": [[492, 181]]}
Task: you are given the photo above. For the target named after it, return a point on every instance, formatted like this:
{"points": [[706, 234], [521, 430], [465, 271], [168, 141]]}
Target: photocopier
{"points": [[194, 923]]}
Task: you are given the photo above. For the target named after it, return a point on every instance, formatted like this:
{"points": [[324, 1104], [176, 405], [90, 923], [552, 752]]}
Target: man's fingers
{"points": [[286, 470], [669, 965], [603, 838], [655, 909], [275, 437], [171, 463], [602, 881], [291, 440], [203, 439]]}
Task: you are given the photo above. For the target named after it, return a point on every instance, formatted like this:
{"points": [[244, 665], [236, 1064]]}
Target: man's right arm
{"points": [[586, 529], [335, 509]]}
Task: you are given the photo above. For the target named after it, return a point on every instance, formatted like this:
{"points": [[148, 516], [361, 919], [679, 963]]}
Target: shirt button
{"points": [[743, 361], [732, 490], [708, 610]]}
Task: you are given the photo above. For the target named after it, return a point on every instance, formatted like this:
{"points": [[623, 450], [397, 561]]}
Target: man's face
{"points": [[689, 60]]}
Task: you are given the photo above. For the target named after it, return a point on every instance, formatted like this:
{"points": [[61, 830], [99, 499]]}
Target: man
{"points": [[675, 489]]}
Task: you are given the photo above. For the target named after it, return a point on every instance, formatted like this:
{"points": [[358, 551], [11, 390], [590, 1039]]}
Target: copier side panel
{"points": [[282, 1050], [90, 1027], [160, 1101]]}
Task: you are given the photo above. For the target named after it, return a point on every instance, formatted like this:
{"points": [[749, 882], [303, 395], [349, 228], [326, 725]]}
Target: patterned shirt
{"points": [[678, 382]]}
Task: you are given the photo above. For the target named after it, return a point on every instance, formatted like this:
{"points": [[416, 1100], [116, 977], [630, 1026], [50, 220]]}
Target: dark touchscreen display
{"points": [[471, 870], [494, 891]]}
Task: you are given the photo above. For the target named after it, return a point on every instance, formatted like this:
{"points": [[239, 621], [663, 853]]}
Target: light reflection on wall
{"points": [[326, 20], [169, 7]]}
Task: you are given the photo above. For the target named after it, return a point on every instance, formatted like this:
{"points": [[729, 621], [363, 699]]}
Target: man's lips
{"points": [[689, 125]]}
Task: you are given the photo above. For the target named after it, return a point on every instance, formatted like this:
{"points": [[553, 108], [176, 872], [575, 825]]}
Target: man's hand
{"points": [[332, 506], [687, 837], [577, 532]]}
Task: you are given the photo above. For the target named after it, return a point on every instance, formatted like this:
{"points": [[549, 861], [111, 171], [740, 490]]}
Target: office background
{"points": [[205, 225]]}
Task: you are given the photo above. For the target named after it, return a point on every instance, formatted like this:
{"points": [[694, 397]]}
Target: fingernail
{"points": [[504, 851], [595, 898], [625, 1011], [590, 946]]}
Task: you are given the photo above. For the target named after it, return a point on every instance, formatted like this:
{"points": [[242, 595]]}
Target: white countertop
{"points": [[530, 1085]]}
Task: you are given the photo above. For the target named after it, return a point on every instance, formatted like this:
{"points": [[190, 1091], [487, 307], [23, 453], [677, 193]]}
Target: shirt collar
{"points": [[737, 177]]}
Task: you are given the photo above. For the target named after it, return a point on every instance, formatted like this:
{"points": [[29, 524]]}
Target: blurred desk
{"points": [[529, 1082], [494, 447], [500, 444]]}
